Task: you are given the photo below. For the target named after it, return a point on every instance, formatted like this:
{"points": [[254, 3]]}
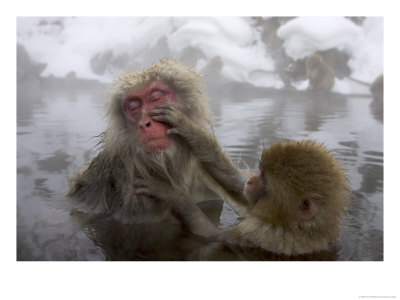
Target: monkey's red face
{"points": [[151, 135], [255, 188], [314, 62]]}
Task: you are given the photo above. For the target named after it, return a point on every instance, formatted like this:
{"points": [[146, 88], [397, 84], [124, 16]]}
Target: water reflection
{"points": [[57, 121]]}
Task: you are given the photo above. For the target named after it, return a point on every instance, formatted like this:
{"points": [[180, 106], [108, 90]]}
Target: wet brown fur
{"points": [[293, 171], [106, 183]]}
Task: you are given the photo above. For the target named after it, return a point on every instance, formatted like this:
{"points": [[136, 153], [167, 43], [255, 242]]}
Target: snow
{"points": [[232, 39], [68, 44], [306, 35]]}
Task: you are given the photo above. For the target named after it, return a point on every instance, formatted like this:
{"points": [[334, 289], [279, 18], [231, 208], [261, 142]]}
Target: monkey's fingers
{"points": [[146, 192], [143, 192], [157, 112], [140, 183], [162, 118], [165, 116], [175, 131], [173, 120], [163, 109]]}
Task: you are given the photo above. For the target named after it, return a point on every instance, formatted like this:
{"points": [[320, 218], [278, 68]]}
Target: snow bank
{"points": [[68, 44], [306, 35], [71, 44]]}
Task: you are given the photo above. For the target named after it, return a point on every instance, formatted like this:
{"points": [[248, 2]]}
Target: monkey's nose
{"points": [[146, 123]]}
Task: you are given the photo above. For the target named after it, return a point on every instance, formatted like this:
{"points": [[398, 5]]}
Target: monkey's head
{"points": [[313, 61], [134, 94], [300, 185], [376, 88]]}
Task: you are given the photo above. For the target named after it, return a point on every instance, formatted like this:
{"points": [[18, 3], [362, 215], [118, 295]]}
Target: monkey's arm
{"points": [[190, 215], [94, 188], [206, 148]]}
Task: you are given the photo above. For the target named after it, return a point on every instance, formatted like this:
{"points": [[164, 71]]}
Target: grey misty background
{"points": [[255, 78]]}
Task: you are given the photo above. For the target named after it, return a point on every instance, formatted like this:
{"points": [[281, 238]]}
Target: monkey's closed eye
{"points": [[132, 104], [157, 94]]}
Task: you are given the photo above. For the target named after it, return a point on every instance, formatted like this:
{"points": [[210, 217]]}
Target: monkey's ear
{"points": [[309, 207]]}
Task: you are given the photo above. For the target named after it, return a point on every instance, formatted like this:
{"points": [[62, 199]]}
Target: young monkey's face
{"points": [[255, 188]]}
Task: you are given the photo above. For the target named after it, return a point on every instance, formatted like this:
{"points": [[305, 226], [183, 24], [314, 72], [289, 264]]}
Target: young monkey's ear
{"points": [[309, 207]]}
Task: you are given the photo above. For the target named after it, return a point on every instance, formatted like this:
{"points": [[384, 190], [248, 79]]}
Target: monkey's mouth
{"points": [[156, 145]]}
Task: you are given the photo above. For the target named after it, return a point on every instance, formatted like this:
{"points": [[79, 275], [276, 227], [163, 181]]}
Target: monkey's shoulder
{"points": [[96, 185]]}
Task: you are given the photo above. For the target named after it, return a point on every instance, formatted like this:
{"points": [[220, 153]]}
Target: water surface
{"points": [[57, 129]]}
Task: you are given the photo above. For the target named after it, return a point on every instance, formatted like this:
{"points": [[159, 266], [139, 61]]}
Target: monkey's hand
{"points": [[195, 135], [203, 144], [159, 191], [181, 206], [206, 148]]}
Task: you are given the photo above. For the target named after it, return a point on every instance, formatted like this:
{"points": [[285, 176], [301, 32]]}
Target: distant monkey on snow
{"points": [[320, 75]]}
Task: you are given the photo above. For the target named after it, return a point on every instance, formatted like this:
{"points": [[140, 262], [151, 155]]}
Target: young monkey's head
{"points": [[300, 184]]}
